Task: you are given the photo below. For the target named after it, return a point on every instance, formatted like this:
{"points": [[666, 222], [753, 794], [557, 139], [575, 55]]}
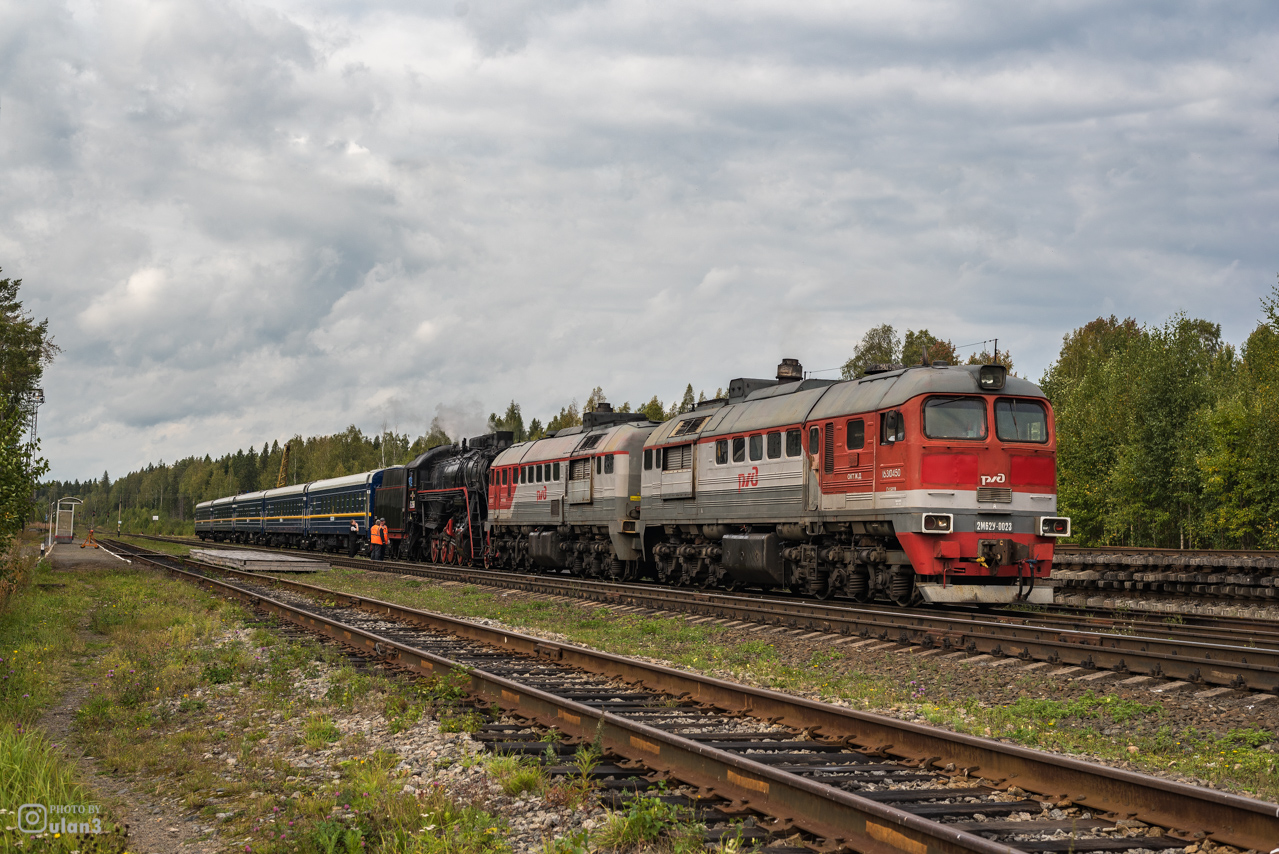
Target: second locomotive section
{"points": [[931, 483]]}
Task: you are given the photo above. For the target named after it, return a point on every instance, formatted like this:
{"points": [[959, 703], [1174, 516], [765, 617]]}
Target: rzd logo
{"points": [[750, 478], [988, 479]]}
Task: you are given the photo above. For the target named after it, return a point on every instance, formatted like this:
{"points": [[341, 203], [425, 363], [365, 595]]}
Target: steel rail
{"points": [[1230, 665], [1192, 812]]}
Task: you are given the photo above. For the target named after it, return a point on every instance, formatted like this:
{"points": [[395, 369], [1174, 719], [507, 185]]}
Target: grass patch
{"points": [[320, 731], [39, 648], [517, 775], [651, 824]]}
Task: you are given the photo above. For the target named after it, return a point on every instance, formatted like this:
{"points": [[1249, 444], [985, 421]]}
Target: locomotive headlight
{"points": [[991, 377], [938, 523], [1054, 526]]}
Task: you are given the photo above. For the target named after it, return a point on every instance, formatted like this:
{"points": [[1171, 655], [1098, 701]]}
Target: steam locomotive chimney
{"points": [[789, 371], [603, 406]]}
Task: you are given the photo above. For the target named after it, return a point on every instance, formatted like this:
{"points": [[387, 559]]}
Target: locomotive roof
{"points": [[893, 388], [565, 442], [250, 496], [797, 402]]}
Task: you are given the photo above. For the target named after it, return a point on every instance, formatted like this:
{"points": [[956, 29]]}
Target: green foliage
{"points": [[512, 420], [914, 343], [653, 410], [687, 402], [647, 822], [25, 350], [1166, 436], [879, 346]]}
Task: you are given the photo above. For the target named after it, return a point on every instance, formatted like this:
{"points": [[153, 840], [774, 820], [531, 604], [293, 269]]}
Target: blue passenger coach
{"points": [[333, 504], [247, 517], [284, 515], [204, 520]]}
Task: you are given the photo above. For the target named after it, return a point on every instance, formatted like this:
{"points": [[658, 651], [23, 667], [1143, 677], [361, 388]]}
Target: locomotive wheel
{"points": [[435, 552]]}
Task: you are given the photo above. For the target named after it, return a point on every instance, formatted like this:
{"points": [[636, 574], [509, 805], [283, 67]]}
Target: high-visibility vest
{"points": [[376, 535]]}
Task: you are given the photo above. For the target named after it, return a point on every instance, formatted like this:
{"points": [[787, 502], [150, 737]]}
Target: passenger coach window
{"points": [[721, 452], [555, 470], [855, 438], [954, 418], [774, 445], [599, 465], [608, 464], [648, 459], [538, 474], [1020, 421], [739, 449], [793, 447], [757, 447], [503, 477]]}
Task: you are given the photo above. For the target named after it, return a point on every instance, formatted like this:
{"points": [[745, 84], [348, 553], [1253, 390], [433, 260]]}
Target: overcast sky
{"points": [[246, 221]]}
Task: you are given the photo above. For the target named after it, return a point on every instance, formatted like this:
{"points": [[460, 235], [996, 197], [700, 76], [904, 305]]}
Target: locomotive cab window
{"points": [[538, 474], [954, 418], [793, 442], [855, 436], [1020, 420], [739, 449], [757, 447], [774, 445], [555, 471], [814, 440], [648, 459], [599, 465], [721, 452], [892, 427], [503, 477], [608, 464]]}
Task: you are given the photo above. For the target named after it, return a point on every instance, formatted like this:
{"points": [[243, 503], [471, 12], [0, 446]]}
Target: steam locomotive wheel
{"points": [[435, 552]]}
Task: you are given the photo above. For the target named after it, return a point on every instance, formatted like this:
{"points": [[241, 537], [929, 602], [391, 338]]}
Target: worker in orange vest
{"points": [[378, 536]]}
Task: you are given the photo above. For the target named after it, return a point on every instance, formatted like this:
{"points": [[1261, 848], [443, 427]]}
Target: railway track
{"points": [[1226, 656], [842, 779]]}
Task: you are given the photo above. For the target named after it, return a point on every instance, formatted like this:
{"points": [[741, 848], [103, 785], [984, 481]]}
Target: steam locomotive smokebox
{"points": [[544, 549], [754, 558]]}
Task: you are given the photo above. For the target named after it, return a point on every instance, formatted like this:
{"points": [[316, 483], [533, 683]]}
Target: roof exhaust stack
{"points": [[789, 371]]}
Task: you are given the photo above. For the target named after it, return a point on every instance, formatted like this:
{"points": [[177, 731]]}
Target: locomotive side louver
{"points": [[996, 494], [828, 447], [678, 458]]}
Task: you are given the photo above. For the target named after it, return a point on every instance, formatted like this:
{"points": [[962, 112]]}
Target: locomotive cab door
{"points": [[852, 470]]}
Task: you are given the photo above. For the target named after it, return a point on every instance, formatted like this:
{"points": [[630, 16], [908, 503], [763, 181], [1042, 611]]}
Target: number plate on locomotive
{"points": [[987, 526]]}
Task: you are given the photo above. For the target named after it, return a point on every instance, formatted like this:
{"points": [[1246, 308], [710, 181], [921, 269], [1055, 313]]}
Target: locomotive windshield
{"points": [[955, 418], [1020, 421]]}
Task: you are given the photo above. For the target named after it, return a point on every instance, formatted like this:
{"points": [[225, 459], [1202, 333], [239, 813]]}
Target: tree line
{"points": [[1167, 435]]}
